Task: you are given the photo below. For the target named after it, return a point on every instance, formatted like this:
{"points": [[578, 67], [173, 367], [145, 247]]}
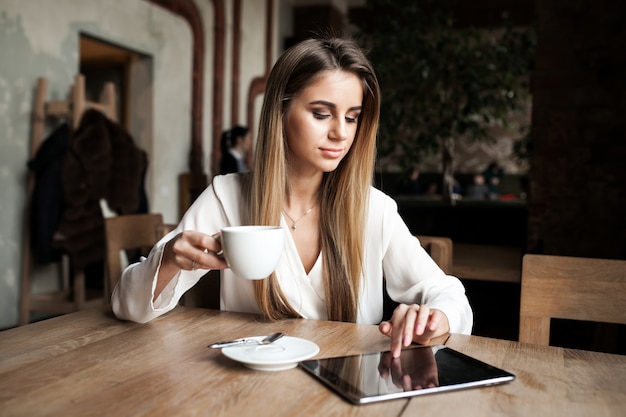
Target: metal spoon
{"points": [[265, 341]]}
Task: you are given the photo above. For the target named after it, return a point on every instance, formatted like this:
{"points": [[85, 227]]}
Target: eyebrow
{"points": [[333, 105]]}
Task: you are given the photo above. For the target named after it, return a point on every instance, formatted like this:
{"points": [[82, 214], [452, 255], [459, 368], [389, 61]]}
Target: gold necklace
{"points": [[295, 222]]}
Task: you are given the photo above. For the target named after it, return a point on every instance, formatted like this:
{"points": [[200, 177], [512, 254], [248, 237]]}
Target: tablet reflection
{"points": [[415, 369]]}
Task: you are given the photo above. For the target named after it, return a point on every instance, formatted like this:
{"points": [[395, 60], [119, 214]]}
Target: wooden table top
{"points": [[89, 363]]}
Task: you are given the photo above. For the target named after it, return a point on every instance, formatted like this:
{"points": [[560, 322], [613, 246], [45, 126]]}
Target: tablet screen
{"points": [[421, 370]]}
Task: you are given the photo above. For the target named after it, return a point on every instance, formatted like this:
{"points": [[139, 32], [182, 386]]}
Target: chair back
{"points": [[132, 232], [574, 288], [190, 186], [440, 249]]}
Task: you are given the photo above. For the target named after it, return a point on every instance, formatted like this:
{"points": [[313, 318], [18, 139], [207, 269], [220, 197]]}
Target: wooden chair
{"points": [[133, 232], [569, 288]]}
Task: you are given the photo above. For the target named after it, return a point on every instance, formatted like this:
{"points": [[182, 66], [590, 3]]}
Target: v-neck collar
{"points": [[316, 270]]}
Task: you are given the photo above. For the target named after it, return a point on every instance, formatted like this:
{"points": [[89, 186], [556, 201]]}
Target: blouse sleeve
{"points": [[412, 276], [132, 297]]}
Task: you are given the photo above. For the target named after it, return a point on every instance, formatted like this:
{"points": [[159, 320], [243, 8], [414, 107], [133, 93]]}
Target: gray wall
{"points": [[40, 38]]}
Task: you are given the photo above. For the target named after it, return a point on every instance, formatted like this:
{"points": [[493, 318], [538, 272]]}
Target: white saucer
{"points": [[285, 353]]}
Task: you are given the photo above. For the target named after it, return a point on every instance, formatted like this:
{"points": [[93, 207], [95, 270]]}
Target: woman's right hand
{"points": [[413, 323], [191, 250]]}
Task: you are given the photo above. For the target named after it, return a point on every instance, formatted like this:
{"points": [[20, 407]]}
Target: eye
{"points": [[321, 116], [352, 119]]}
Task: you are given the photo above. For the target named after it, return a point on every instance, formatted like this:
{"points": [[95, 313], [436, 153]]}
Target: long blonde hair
{"points": [[344, 191]]}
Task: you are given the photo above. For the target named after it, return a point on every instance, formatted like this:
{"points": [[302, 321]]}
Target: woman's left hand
{"points": [[413, 323]]}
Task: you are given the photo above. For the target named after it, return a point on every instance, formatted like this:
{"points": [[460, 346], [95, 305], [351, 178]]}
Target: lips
{"points": [[332, 153]]}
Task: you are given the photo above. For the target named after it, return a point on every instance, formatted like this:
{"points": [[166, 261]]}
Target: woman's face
{"points": [[321, 122]]}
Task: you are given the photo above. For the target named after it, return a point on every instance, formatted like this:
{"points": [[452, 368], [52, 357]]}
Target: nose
{"points": [[339, 130]]}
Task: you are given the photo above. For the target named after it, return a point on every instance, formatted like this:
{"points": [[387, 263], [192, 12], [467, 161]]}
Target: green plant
{"points": [[439, 81]]}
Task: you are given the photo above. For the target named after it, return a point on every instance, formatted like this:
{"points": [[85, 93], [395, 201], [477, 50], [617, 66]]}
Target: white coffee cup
{"points": [[253, 252]]}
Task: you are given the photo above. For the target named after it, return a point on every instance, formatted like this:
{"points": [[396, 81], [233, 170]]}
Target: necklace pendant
{"points": [[293, 226]]}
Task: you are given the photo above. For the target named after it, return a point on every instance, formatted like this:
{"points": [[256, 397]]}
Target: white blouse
{"points": [[391, 251]]}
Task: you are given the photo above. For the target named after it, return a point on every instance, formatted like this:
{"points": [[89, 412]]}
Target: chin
{"points": [[330, 165], [330, 168]]}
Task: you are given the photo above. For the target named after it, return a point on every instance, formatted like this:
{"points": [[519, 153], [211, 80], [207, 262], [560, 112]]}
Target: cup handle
{"points": [[217, 236]]}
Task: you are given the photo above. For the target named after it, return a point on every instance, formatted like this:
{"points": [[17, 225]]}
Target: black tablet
{"points": [[372, 377]]}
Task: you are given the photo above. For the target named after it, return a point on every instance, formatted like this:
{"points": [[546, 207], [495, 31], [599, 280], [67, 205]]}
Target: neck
{"points": [[302, 195]]}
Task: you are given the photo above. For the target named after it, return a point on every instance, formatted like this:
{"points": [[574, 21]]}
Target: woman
{"points": [[312, 174]]}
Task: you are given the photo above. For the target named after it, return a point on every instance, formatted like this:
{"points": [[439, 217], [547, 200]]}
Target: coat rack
{"points": [[66, 300]]}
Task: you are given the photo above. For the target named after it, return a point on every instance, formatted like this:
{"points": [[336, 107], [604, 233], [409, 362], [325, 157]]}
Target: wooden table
{"points": [[90, 364]]}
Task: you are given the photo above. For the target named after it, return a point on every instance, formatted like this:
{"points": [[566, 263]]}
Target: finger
{"points": [[184, 254], [434, 320], [195, 250], [214, 243], [422, 320], [396, 344], [210, 260], [385, 328], [183, 262], [202, 241], [397, 320], [410, 318], [436, 326]]}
